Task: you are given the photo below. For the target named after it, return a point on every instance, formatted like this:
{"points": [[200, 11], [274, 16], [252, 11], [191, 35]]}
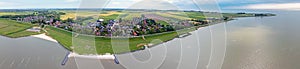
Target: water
{"points": [[245, 43], [36, 53], [30, 53], [264, 43]]}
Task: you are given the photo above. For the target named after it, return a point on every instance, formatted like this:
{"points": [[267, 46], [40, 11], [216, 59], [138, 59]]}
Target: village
{"points": [[141, 25]]}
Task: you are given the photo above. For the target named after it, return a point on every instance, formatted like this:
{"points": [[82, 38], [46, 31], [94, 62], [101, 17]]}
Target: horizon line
{"points": [[95, 9]]}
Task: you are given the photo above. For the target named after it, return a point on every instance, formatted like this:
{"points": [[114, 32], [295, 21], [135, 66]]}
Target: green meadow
{"points": [[15, 29], [102, 45]]}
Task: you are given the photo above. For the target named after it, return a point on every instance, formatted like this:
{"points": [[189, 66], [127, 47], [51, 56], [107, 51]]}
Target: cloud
{"points": [[271, 6], [4, 4], [27, 4], [141, 4], [155, 4], [71, 0], [8, 5]]}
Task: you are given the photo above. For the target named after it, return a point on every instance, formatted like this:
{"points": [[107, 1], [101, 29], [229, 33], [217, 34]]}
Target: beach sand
{"points": [[45, 37], [106, 56]]}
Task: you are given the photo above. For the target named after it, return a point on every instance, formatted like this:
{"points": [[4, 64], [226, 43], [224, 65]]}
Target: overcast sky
{"points": [[154, 4]]}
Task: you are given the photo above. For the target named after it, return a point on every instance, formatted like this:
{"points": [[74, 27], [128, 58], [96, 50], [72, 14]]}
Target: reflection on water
{"points": [[247, 49], [264, 43], [30, 53]]}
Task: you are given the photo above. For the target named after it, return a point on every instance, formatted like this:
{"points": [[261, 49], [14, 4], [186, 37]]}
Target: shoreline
{"points": [[45, 37], [107, 55], [73, 54]]}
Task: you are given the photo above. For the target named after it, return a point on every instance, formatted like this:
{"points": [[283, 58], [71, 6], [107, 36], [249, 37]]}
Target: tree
{"points": [[70, 20], [226, 18]]}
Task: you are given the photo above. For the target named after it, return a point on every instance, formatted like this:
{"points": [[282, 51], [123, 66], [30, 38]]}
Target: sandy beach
{"points": [[45, 37], [106, 56]]}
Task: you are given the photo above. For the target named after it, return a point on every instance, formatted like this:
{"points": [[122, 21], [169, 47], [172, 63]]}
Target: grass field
{"points": [[131, 15], [173, 16], [15, 13], [109, 13], [84, 44], [110, 17], [127, 15], [15, 29], [195, 15], [162, 22], [237, 15], [62, 36], [74, 14]]}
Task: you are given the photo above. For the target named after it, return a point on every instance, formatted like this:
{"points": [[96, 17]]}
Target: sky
{"points": [[154, 4]]}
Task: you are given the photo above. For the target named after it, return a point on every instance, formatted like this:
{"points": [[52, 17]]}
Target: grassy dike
{"points": [[62, 36], [14, 29], [104, 44]]}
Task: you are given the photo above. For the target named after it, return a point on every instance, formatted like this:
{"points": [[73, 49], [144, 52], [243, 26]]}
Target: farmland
{"points": [[86, 13], [14, 13]]}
